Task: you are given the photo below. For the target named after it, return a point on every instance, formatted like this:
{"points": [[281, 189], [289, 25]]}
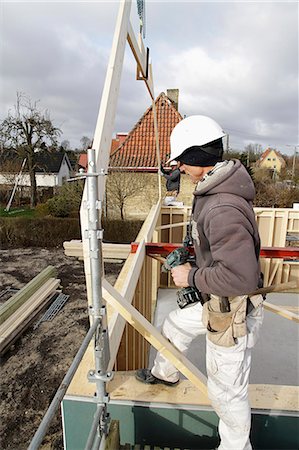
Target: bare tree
{"points": [[26, 131], [65, 145], [121, 186], [253, 152], [86, 142]]}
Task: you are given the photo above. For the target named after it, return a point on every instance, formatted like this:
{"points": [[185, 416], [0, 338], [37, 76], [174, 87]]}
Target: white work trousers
{"points": [[227, 368]]}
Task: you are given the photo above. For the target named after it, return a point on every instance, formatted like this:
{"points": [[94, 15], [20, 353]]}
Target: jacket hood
{"points": [[230, 177]]}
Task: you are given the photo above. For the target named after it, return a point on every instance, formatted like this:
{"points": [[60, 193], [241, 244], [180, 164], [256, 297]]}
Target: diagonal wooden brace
{"points": [[152, 335]]}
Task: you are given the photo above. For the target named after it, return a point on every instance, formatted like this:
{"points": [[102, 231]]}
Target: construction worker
{"points": [[227, 246], [173, 179]]}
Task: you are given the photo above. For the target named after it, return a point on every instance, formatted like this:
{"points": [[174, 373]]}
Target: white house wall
{"points": [[63, 174], [42, 179]]}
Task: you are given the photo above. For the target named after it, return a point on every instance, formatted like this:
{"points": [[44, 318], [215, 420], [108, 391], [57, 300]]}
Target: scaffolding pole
{"points": [[99, 375], [45, 423]]}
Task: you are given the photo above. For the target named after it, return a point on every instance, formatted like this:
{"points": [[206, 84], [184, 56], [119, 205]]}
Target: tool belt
{"points": [[224, 327]]}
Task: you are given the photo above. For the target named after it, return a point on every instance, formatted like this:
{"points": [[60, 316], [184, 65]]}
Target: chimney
{"points": [[173, 95]]}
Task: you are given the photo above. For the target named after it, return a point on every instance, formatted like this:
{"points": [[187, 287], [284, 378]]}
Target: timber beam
{"points": [[164, 248]]}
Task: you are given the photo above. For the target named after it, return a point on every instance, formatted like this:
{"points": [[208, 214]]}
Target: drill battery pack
{"points": [[187, 296]]}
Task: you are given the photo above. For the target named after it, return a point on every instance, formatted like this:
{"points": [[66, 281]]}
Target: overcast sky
{"points": [[234, 61]]}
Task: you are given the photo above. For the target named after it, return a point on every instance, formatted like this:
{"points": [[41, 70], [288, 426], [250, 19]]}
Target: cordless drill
{"points": [[177, 257]]}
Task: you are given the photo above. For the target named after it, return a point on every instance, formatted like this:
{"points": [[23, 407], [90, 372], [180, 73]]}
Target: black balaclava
{"points": [[203, 156]]}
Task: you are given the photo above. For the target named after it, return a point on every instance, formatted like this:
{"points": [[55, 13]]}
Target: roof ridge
{"points": [[139, 122], [139, 149]]}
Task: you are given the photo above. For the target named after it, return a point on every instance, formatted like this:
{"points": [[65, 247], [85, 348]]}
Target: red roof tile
{"points": [[138, 150], [82, 162], [115, 143]]}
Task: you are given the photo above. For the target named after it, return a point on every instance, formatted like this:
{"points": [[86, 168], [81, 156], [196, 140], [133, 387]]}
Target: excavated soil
{"points": [[35, 365]]}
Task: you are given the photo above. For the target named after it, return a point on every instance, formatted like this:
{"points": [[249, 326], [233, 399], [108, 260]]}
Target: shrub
{"points": [[43, 232], [42, 210], [59, 206], [121, 231], [67, 200], [52, 232], [272, 195]]}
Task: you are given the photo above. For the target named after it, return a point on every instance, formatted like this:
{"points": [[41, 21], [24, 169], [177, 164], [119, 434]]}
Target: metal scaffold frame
{"points": [[92, 233]]}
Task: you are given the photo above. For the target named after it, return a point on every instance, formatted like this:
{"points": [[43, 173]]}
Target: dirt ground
{"points": [[35, 365]]}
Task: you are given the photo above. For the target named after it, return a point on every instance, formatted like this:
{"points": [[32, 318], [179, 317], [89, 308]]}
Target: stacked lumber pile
{"points": [[110, 251], [20, 310]]}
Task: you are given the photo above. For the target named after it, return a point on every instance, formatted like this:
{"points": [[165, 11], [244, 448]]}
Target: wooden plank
{"points": [[127, 281], [156, 140], [151, 334], [284, 229], [138, 51], [17, 316], [173, 225], [144, 67], [18, 299], [281, 311], [125, 387], [275, 263], [110, 251], [282, 287], [150, 223], [113, 439], [177, 233], [21, 312], [127, 287], [17, 323], [294, 309], [155, 282]]}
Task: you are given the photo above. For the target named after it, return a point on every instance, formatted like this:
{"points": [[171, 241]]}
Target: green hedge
{"points": [[52, 232]]}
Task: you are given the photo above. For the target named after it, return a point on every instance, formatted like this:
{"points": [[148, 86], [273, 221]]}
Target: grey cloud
{"points": [[236, 61]]}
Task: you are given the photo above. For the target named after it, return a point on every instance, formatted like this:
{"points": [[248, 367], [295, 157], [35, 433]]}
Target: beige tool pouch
{"points": [[223, 328]]}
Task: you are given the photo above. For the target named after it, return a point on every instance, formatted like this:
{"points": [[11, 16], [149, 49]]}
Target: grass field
{"points": [[18, 212]]}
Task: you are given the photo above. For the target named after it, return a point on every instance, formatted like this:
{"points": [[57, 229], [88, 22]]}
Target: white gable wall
{"points": [[64, 173], [43, 179]]}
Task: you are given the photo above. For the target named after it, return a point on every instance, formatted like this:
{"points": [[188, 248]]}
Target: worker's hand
{"points": [[180, 275]]}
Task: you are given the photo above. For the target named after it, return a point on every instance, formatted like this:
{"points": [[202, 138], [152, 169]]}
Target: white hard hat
{"points": [[194, 130], [173, 162]]}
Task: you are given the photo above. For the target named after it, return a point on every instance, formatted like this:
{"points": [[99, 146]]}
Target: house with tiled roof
{"points": [[133, 163], [52, 169], [271, 159], [137, 152], [115, 143]]}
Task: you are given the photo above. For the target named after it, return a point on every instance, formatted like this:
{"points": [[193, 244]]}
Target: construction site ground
{"points": [[35, 365]]}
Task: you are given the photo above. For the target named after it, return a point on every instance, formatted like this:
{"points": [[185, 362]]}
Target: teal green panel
{"points": [[165, 427], [275, 432], [78, 417], [126, 417], [198, 429]]}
